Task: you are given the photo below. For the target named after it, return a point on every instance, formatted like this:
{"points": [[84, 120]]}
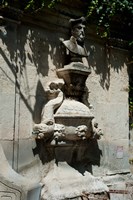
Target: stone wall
{"points": [[30, 53]]}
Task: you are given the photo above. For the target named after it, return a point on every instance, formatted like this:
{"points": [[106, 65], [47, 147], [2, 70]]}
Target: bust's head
{"points": [[77, 29]]}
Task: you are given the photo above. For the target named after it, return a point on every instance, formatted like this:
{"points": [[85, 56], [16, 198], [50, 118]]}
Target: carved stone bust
{"points": [[75, 45]]}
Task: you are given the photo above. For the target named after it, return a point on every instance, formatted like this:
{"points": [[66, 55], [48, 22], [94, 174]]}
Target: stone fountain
{"points": [[68, 131]]}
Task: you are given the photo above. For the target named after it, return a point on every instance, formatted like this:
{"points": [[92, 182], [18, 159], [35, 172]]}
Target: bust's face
{"points": [[78, 32]]}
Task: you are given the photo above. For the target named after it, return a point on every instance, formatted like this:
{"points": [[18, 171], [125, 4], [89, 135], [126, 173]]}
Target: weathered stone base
{"points": [[64, 182], [100, 196]]}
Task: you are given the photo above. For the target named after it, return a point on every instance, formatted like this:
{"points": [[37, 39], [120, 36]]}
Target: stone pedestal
{"points": [[74, 75], [70, 144], [64, 182], [73, 145]]}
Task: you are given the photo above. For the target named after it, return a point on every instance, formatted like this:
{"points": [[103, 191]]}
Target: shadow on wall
{"points": [[24, 47], [28, 46], [79, 155], [105, 57], [99, 62], [35, 46]]}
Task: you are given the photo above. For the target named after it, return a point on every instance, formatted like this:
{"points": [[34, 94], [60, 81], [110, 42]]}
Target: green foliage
{"points": [[30, 5], [106, 10], [131, 106], [103, 10]]}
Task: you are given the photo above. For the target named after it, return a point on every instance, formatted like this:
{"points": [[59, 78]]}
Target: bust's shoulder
{"points": [[71, 41], [71, 44], [73, 47]]}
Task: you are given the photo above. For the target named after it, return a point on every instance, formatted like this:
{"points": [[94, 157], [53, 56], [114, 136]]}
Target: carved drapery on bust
{"points": [[75, 45]]}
